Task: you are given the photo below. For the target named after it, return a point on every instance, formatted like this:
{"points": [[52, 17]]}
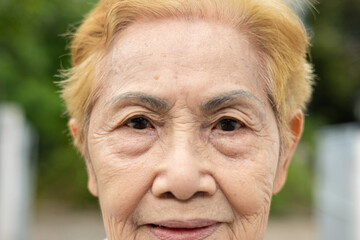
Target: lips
{"points": [[183, 230]]}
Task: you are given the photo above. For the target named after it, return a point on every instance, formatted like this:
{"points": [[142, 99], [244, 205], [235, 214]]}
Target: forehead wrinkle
{"points": [[127, 63], [131, 51], [222, 99]]}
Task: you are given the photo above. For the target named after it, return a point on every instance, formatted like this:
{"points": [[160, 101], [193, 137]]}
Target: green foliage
{"points": [[336, 54], [30, 50]]}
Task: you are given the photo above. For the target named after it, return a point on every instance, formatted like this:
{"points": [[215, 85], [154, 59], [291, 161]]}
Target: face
{"points": [[182, 141]]}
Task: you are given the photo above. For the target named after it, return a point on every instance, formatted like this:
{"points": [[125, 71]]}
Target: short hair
{"points": [[275, 31]]}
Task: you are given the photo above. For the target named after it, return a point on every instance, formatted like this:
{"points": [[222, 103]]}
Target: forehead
{"points": [[170, 34], [190, 42], [199, 53]]}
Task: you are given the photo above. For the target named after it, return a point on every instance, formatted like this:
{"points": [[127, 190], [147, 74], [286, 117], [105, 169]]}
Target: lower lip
{"points": [[201, 233]]}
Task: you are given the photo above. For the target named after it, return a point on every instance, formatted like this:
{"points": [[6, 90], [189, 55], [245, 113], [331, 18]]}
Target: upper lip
{"points": [[198, 223]]}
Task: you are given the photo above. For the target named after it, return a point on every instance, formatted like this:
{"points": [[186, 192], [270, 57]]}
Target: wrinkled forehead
{"points": [[197, 42]]}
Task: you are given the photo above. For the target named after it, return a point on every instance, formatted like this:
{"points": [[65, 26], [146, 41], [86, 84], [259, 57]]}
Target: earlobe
{"points": [[295, 123], [92, 183]]}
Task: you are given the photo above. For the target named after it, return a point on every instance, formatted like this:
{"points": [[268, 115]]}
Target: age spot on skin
{"points": [[156, 77]]}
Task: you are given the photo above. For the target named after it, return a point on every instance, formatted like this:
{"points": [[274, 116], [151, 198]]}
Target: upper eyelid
{"points": [[229, 117], [136, 116], [133, 109], [153, 122], [160, 119], [223, 114]]}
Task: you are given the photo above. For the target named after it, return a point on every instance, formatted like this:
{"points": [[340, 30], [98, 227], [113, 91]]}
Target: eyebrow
{"points": [[225, 98], [162, 105], [154, 103]]}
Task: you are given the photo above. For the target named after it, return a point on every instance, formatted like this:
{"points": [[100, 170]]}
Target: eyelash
{"points": [[240, 123], [215, 126], [128, 120], [224, 124]]}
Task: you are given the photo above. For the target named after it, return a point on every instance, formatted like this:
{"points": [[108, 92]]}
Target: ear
{"points": [[73, 127], [92, 183], [295, 123], [72, 124]]}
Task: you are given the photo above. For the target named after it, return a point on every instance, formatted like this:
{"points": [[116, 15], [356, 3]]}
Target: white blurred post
{"points": [[15, 173], [338, 183], [357, 189]]}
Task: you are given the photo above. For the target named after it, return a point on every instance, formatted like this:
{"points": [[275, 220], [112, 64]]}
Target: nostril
{"points": [[167, 195], [201, 194], [170, 195], [183, 182]]}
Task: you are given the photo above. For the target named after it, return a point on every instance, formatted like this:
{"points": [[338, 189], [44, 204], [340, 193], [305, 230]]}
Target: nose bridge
{"points": [[184, 174], [183, 152], [183, 160]]}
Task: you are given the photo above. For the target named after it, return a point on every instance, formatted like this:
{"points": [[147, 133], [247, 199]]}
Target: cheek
{"points": [[235, 146], [126, 144], [114, 191], [247, 172], [248, 190], [118, 165]]}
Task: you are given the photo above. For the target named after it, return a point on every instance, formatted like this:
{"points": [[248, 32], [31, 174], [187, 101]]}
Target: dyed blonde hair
{"points": [[275, 31]]}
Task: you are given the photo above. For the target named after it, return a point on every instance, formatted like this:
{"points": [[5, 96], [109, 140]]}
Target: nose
{"points": [[184, 174]]}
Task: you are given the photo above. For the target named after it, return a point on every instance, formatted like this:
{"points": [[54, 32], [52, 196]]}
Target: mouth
{"points": [[183, 230]]}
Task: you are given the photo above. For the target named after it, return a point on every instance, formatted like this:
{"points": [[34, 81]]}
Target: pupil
{"points": [[139, 123], [228, 125]]}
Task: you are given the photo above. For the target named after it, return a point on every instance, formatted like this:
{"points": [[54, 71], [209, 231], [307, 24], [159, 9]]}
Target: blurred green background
{"points": [[32, 49]]}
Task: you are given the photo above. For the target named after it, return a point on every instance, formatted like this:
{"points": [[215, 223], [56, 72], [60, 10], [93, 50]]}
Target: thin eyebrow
{"points": [[149, 101], [222, 99]]}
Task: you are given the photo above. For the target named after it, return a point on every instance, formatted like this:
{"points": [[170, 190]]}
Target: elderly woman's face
{"points": [[182, 141]]}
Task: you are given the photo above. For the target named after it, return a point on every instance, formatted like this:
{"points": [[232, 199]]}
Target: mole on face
{"points": [[176, 75], [156, 77]]}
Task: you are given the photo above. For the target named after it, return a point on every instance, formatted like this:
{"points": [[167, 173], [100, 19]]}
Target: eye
{"points": [[138, 123], [229, 125]]}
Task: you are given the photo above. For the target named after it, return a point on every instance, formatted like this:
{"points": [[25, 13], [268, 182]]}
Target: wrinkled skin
{"points": [[183, 130]]}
